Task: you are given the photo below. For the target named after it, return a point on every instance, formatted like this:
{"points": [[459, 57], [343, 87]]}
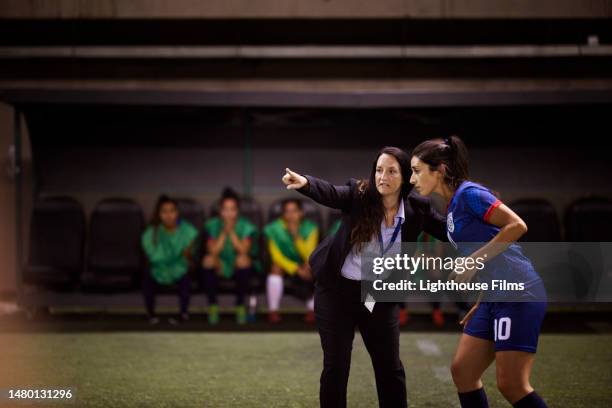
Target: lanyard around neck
{"points": [[396, 231]]}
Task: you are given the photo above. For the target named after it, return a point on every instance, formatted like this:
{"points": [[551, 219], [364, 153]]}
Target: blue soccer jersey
{"points": [[510, 325], [468, 229]]}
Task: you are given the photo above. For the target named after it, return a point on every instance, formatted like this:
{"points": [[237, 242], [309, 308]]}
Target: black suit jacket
{"points": [[327, 259]]}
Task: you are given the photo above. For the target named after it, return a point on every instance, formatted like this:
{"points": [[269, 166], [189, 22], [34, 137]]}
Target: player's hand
{"points": [[293, 181], [465, 276], [469, 315], [471, 312], [228, 226], [304, 272]]}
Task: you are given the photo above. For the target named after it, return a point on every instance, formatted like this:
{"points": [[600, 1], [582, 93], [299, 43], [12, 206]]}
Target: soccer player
{"points": [[231, 254], [167, 243], [502, 331], [291, 240]]}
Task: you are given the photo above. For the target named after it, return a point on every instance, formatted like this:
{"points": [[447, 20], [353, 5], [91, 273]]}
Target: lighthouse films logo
{"points": [[435, 271]]}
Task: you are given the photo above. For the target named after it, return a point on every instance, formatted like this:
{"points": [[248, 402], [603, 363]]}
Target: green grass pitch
{"points": [[168, 369]]}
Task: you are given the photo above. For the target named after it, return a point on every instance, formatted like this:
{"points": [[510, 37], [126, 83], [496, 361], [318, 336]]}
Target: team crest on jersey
{"points": [[450, 225]]}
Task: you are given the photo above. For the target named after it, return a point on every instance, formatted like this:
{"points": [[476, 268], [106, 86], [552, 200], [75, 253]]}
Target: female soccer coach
{"points": [[373, 211]]}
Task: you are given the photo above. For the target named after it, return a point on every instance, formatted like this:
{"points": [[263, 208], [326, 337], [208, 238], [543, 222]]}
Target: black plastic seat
{"points": [[114, 252], [57, 235], [589, 220], [192, 211], [541, 219]]}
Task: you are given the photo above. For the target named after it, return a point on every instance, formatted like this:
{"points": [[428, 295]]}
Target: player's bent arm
{"points": [[215, 245], [511, 229], [242, 246]]}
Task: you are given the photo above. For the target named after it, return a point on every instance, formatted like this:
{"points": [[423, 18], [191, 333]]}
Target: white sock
{"points": [[310, 304], [275, 291]]}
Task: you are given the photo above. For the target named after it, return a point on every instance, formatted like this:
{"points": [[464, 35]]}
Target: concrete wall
{"points": [[306, 9], [559, 175]]}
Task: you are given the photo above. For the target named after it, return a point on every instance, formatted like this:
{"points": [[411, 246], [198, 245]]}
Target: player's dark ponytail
{"points": [[448, 155]]}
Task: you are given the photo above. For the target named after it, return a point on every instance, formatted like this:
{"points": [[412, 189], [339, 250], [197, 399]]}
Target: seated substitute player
{"points": [[479, 225], [291, 240], [167, 243], [231, 253]]}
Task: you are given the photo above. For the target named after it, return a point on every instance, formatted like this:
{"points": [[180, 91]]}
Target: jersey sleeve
{"points": [[480, 202]]}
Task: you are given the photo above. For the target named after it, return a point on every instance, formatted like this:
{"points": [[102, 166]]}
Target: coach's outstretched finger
{"points": [[293, 180]]}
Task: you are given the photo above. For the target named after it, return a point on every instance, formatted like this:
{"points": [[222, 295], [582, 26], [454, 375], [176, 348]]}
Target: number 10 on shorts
{"points": [[501, 328]]}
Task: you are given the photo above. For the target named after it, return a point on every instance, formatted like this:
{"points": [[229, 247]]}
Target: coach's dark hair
{"points": [[448, 155], [155, 218], [373, 209]]}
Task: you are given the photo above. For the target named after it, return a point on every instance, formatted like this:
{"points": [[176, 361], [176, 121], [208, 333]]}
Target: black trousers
{"points": [[302, 289], [241, 276], [338, 312], [150, 287]]}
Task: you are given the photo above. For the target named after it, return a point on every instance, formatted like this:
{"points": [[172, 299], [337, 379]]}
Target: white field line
{"points": [[428, 347]]}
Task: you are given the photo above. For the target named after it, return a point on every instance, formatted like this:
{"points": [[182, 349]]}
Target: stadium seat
{"points": [[192, 211], [548, 259], [589, 220], [114, 251], [57, 234], [541, 219]]}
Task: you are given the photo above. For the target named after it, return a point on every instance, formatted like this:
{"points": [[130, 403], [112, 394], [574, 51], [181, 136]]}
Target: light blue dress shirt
{"points": [[351, 268]]}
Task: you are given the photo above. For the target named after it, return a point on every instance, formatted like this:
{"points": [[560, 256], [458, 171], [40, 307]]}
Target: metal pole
{"points": [[248, 154], [18, 203]]}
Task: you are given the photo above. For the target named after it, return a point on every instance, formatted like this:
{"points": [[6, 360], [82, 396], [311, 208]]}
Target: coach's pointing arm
{"points": [[321, 191]]}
